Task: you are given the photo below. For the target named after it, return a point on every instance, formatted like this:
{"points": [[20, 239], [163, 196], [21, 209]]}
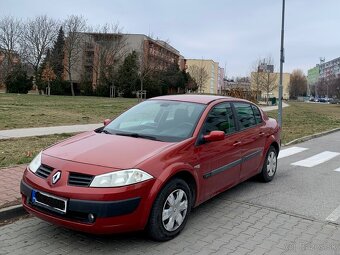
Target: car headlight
{"points": [[35, 163], [120, 178]]}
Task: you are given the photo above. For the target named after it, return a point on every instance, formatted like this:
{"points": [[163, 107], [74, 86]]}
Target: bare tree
{"points": [[146, 67], [269, 78], [111, 52], [199, 74], [38, 35], [73, 27], [298, 84], [10, 31], [256, 78]]}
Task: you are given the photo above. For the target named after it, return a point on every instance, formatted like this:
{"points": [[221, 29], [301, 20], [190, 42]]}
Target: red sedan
{"points": [[150, 166]]}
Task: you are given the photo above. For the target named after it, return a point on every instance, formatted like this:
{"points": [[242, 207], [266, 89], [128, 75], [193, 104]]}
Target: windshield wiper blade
{"points": [[136, 135]]}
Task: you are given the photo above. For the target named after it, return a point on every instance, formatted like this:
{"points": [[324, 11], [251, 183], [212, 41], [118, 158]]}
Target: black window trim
{"points": [[200, 134], [238, 122]]}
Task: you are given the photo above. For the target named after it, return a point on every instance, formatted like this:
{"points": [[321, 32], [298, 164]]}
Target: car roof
{"points": [[201, 99]]}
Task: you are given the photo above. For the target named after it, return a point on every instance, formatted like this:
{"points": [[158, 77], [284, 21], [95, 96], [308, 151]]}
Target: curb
{"points": [[12, 212], [309, 137]]}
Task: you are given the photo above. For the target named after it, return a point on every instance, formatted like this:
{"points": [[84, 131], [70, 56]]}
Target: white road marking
{"points": [[337, 170], [316, 159], [290, 151], [334, 216]]}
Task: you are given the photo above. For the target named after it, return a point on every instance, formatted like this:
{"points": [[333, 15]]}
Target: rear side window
{"points": [[257, 114], [245, 115], [220, 118]]}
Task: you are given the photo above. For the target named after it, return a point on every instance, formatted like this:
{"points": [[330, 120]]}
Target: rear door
{"points": [[252, 138], [219, 161]]}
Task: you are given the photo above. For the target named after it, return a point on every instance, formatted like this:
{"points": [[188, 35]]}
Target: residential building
{"points": [[313, 75], [105, 47], [330, 69], [210, 86], [220, 83], [242, 83]]}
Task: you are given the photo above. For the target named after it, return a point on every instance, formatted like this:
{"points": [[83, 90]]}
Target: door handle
{"points": [[236, 143]]}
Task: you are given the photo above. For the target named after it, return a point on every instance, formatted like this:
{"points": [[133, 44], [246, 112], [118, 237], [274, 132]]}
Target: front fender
{"points": [[167, 174]]}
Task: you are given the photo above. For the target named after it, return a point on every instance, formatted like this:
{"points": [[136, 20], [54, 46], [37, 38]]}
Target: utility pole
{"points": [[282, 60]]}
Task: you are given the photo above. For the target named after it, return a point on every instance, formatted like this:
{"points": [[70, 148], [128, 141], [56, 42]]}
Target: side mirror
{"points": [[106, 122], [214, 136]]}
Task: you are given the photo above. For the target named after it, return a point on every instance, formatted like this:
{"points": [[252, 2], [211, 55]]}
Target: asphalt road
{"points": [[294, 214]]}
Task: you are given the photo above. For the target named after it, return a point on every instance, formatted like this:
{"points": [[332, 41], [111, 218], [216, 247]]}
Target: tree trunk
{"points": [[71, 83]]}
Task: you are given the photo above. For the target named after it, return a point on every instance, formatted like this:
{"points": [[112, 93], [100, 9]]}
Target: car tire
{"points": [[170, 211], [269, 165]]}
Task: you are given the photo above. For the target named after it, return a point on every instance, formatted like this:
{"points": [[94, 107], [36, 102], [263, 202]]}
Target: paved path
{"points": [[297, 213], [274, 107], [26, 132], [220, 226]]}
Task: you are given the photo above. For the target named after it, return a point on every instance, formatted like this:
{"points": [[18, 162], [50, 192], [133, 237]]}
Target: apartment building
{"points": [[330, 69], [104, 47], [211, 67]]}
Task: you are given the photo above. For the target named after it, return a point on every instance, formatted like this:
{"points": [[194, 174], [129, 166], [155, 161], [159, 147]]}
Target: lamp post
{"points": [[282, 60]]}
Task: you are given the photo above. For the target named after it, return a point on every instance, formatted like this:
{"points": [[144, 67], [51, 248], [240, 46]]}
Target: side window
{"points": [[220, 118], [257, 114], [245, 115]]}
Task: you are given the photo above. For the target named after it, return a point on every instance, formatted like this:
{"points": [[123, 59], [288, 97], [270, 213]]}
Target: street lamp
{"points": [[282, 60]]}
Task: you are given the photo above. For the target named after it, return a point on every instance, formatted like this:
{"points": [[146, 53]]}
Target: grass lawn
{"points": [[23, 150], [302, 119], [21, 111]]}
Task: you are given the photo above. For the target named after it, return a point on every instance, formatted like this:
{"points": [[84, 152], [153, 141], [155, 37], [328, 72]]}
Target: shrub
{"points": [[17, 81]]}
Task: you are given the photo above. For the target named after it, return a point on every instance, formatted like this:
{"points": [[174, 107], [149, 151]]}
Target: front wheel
{"points": [[170, 211], [269, 166]]}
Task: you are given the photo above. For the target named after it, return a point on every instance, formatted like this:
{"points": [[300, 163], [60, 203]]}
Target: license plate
{"points": [[48, 201]]}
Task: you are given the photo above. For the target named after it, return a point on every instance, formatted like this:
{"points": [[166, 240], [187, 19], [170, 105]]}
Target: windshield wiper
{"points": [[106, 132], [136, 135]]}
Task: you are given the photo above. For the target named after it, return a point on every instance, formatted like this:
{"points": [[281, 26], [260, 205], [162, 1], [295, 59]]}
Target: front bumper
{"points": [[101, 209], [109, 216]]}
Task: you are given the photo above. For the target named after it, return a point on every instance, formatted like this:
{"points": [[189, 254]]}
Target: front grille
{"points": [[44, 171], [77, 179]]}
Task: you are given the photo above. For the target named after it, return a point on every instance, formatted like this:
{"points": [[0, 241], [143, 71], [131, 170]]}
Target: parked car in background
{"points": [[150, 166], [334, 101]]}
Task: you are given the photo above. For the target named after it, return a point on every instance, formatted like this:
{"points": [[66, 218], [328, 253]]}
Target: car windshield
{"points": [[168, 121]]}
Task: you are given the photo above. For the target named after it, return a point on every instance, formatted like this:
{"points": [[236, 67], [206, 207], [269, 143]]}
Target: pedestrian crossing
{"points": [[290, 151], [310, 161]]}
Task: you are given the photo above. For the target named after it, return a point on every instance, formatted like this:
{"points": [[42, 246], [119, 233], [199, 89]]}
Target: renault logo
{"points": [[56, 177]]}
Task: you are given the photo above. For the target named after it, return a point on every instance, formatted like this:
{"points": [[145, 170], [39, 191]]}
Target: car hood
{"points": [[106, 150]]}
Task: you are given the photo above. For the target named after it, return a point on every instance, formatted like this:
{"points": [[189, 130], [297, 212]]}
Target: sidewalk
{"points": [[274, 107], [26, 132], [10, 185]]}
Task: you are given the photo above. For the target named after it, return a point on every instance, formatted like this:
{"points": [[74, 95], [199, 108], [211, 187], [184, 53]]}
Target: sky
{"points": [[233, 33]]}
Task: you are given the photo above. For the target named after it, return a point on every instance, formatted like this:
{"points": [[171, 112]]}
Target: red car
{"points": [[151, 165]]}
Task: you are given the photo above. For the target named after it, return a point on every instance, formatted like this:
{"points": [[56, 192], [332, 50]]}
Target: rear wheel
{"points": [[170, 211], [269, 166]]}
